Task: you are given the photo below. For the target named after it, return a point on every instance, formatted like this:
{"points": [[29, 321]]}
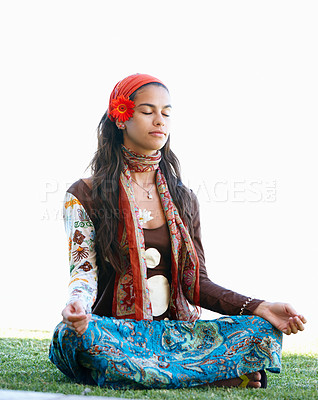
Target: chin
{"points": [[148, 147], [158, 143]]}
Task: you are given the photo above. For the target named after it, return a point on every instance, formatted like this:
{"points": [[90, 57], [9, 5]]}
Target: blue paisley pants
{"points": [[166, 354]]}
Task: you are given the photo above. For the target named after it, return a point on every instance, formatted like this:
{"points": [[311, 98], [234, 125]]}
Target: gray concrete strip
{"points": [[24, 395], [21, 395]]}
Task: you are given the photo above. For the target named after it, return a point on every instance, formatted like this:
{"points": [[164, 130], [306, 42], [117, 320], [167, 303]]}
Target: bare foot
{"points": [[254, 382]]}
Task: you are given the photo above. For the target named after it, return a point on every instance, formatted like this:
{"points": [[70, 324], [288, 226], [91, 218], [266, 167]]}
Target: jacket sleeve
{"points": [[82, 256], [212, 296]]}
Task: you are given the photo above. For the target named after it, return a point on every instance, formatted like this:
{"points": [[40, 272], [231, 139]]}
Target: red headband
{"points": [[119, 104]]}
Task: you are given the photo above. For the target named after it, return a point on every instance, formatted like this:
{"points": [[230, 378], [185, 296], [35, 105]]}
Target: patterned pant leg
{"points": [[64, 349]]}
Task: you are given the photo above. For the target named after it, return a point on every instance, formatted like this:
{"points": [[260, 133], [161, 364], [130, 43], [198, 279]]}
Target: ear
{"points": [[120, 125]]}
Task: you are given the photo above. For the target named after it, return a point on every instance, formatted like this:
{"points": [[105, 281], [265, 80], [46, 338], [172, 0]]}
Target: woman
{"points": [[138, 275]]}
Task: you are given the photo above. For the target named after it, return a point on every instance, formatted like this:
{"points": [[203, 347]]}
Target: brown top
{"points": [[158, 259], [212, 296]]}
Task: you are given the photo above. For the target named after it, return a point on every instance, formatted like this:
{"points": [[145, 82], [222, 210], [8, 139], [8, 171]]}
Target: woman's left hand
{"points": [[282, 316]]}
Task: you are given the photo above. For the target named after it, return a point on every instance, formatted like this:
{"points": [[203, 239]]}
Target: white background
{"points": [[243, 80]]}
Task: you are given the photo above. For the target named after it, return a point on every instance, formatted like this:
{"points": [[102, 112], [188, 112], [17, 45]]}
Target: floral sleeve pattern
{"points": [[82, 256]]}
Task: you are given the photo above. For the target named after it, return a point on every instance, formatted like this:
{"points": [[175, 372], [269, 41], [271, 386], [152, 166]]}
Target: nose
{"points": [[159, 120]]}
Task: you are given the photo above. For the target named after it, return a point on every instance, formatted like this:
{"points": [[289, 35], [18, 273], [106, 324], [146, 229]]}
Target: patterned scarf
{"points": [[131, 294], [140, 162]]}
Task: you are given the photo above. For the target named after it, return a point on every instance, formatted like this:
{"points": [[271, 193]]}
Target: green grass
{"points": [[24, 365]]}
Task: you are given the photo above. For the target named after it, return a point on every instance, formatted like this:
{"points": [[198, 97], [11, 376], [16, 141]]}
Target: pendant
{"points": [[149, 196]]}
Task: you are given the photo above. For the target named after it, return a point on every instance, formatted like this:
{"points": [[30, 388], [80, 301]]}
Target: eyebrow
{"points": [[153, 106]]}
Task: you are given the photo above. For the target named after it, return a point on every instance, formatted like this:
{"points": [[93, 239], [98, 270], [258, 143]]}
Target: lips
{"points": [[157, 133]]}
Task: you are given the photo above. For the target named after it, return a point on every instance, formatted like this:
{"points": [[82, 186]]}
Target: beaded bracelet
{"points": [[245, 304]]}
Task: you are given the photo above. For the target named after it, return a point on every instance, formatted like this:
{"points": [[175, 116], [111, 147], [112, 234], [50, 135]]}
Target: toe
{"points": [[254, 378], [255, 385], [257, 376]]}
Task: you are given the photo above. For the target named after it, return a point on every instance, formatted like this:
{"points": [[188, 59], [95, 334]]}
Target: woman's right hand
{"points": [[75, 317]]}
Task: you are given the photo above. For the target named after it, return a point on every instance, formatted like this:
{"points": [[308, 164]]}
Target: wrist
{"points": [[79, 300], [261, 309]]}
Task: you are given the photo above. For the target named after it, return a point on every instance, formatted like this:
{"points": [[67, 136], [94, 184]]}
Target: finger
{"points": [[290, 310], [66, 321], [81, 332], [287, 331], [79, 324], [293, 326], [77, 318], [83, 321], [302, 318], [299, 324], [78, 307], [81, 329], [82, 326], [69, 312]]}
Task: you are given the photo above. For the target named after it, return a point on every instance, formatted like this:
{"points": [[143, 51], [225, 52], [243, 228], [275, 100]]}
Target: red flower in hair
{"points": [[122, 108]]}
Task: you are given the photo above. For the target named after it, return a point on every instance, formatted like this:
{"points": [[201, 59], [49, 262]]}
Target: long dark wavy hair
{"points": [[107, 165]]}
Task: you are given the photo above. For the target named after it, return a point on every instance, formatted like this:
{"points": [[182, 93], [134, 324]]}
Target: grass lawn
{"points": [[24, 365]]}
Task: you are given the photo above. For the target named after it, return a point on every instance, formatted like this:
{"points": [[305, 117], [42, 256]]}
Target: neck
{"points": [[144, 178], [141, 162]]}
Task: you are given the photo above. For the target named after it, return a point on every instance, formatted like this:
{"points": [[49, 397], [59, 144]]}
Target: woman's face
{"points": [[148, 130]]}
